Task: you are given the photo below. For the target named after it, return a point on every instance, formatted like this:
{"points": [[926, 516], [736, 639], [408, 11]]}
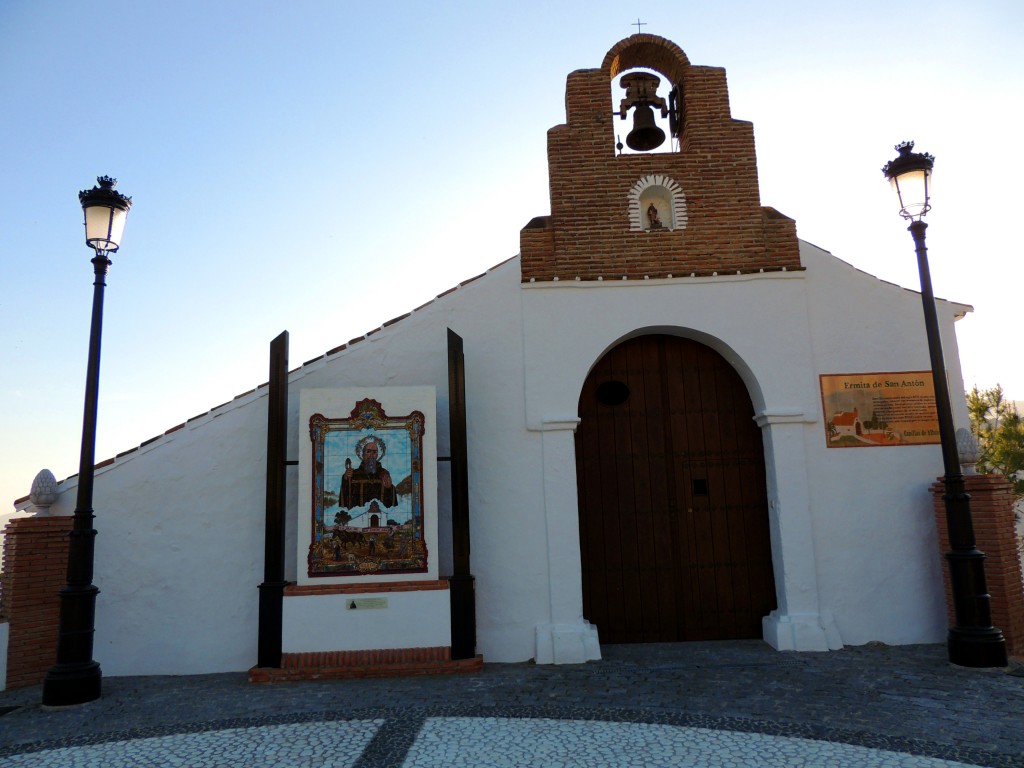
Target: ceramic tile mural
{"points": [[367, 505]]}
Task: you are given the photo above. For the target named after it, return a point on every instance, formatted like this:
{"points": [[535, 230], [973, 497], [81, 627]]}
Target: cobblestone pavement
{"points": [[714, 704]]}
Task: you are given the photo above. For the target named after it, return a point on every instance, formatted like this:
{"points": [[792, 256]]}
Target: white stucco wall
{"points": [[180, 547], [315, 623], [179, 550], [853, 533], [875, 532]]}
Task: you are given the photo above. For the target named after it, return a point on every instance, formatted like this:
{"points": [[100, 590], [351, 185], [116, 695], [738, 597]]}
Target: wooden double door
{"points": [[672, 500]]}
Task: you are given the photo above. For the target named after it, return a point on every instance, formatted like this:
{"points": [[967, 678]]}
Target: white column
{"points": [[566, 638], [798, 624]]}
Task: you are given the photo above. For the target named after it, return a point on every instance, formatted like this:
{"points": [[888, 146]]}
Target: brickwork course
{"points": [[390, 662], [588, 234], [35, 562], [992, 515]]}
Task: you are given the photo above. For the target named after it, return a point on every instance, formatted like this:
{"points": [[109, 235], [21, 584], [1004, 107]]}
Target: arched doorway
{"points": [[673, 505]]}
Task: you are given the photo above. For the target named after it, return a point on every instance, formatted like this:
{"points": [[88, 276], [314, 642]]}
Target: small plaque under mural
{"points": [[864, 410], [366, 603]]}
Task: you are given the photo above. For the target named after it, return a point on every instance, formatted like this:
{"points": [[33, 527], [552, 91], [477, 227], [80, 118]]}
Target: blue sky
{"points": [[322, 167]]}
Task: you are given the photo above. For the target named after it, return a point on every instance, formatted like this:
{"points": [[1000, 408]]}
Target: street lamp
{"points": [[972, 641], [76, 678]]}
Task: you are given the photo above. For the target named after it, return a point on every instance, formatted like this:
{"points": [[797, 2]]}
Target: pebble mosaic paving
{"points": [[328, 744], [470, 742], [687, 704]]}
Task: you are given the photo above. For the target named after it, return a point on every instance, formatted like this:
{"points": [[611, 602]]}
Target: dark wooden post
{"points": [[272, 588], [463, 599]]}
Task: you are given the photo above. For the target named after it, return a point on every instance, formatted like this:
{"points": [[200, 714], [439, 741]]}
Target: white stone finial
{"points": [[967, 449], [44, 492]]}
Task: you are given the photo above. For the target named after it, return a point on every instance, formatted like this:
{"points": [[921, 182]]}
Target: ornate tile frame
{"points": [[402, 549]]}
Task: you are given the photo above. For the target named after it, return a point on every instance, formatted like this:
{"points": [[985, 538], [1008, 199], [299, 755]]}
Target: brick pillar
{"points": [[34, 571], [992, 513]]}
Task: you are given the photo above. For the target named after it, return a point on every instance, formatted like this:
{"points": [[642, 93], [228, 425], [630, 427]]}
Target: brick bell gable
{"points": [[591, 233]]}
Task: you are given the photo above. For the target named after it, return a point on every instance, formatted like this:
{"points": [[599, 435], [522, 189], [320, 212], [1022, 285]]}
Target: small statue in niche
{"points": [[652, 217]]}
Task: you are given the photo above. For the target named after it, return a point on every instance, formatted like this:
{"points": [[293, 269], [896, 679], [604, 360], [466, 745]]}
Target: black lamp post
{"points": [[972, 641], [76, 678]]}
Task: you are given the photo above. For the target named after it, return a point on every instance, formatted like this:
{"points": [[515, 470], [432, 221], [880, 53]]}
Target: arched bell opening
{"points": [[648, 107], [663, 59]]}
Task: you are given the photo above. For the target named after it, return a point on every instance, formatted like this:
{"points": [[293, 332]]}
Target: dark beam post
{"points": [[463, 599], [272, 588]]}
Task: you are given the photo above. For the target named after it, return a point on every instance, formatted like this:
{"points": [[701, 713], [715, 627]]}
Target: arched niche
{"points": [[662, 194]]}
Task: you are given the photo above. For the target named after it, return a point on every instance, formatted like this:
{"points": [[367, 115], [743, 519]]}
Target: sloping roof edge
{"points": [[961, 307], [236, 401]]}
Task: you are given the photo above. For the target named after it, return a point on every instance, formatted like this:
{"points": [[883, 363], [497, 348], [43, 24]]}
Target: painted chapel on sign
{"points": [[700, 451]]}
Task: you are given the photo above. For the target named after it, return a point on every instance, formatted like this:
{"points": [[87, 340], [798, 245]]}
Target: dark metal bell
{"points": [[646, 135]]}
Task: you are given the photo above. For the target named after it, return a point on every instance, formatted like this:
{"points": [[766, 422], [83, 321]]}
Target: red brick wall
{"points": [[34, 572], [387, 662], [588, 234], [642, 50], [992, 514]]}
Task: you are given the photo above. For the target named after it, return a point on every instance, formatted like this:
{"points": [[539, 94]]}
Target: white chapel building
{"points": [[651, 453]]}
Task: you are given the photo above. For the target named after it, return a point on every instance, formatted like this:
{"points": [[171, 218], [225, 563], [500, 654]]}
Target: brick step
{"points": [[386, 662]]}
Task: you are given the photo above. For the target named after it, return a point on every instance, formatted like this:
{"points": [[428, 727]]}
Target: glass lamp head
{"points": [[105, 213], [911, 177]]}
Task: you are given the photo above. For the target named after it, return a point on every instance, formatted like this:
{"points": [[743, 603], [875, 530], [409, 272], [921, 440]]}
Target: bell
{"points": [[646, 135]]}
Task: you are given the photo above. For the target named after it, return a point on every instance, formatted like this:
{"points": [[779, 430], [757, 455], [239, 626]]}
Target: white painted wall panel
{"points": [[179, 553]]}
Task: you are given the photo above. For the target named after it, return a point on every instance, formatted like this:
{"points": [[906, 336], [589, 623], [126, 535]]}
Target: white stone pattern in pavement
{"points": [[477, 742], [334, 744], [516, 743]]}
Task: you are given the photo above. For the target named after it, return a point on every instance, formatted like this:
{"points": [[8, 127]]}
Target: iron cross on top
{"points": [[638, 24]]}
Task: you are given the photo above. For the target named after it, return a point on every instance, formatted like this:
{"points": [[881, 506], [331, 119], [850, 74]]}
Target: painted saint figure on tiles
{"points": [[370, 480]]}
